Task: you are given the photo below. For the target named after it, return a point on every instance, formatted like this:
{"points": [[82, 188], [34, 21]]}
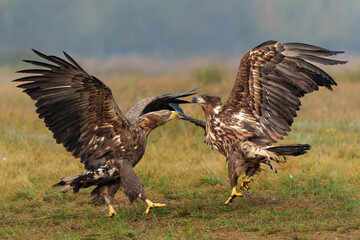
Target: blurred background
{"points": [[171, 30], [150, 47]]}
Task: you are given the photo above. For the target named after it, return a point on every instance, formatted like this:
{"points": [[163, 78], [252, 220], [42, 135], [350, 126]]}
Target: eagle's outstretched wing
{"points": [[160, 102], [270, 80], [79, 109]]}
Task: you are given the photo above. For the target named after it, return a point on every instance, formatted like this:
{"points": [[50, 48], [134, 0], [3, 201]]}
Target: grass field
{"points": [[314, 196]]}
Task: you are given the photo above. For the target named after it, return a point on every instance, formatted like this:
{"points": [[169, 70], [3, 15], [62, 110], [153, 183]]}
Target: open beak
{"points": [[174, 115], [197, 99]]}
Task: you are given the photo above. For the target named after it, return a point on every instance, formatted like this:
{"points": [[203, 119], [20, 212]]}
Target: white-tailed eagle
{"points": [[262, 106], [80, 111]]}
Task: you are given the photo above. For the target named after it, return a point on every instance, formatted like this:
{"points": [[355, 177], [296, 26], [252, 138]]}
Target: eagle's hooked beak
{"points": [[197, 99], [174, 115]]}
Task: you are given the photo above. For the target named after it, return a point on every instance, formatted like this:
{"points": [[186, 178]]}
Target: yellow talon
{"points": [[233, 195], [245, 183], [112, 211], [151, 205]]}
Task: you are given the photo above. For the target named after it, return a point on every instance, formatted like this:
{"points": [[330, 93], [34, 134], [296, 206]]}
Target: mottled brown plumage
{"points": [[262, 106], [80, 111]]}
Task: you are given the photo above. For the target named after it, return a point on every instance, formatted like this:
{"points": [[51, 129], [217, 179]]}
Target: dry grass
{"points": [[315, 196]]}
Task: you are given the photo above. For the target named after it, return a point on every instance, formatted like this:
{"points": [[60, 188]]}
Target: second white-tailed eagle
{"points": [[262, 106]]}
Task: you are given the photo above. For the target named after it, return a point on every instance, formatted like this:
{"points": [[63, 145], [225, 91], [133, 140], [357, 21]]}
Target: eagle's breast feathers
{"points": [[223, 131]]}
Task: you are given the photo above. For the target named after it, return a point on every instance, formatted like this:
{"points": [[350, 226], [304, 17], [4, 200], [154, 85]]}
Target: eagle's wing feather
{"points": [[160, 102], [270, 80], [78, 108]]}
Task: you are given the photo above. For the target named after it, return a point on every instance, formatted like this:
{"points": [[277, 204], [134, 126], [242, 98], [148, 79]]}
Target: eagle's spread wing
{"points": [[270, 80], [160, 102], [78, 108]]}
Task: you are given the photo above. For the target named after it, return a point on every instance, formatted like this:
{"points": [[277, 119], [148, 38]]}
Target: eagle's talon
{"points": [[233, 195], [245, 183], [152, 205], [230, 200], [111, 212], [109, 215], [148, 209]]}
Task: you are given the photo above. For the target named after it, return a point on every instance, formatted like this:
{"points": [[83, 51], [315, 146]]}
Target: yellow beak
{"points": [[174, 115]]}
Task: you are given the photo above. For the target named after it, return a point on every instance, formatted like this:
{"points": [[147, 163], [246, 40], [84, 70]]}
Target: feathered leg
{"points": [[234, 171], [132, 186], [105, 194]]}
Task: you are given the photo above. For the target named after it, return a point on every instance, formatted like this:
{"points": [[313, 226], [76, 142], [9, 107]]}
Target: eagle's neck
{"points": [[211, 110], [145, 125], [216, 136]]}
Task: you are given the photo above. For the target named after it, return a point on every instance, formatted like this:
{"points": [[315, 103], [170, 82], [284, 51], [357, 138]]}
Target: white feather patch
{"points": [[241, 116], [99, 174], [217, 109], [112, 171]]}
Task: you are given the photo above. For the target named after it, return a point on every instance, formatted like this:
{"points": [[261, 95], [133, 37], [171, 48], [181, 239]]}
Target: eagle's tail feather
{"points": [[292, 150], [67, 180], [68, 183], [86, 179], [65, 189]]}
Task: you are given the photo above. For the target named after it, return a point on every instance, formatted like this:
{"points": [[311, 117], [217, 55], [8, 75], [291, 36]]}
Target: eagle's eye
{"points": [[205, 98]]}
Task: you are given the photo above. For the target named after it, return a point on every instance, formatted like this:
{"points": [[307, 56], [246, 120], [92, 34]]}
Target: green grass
{"points": [[314, 196]]}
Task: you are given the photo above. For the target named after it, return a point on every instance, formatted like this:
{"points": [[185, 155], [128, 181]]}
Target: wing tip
{"points": [[38, 53], [190, 92], [342, 62]]}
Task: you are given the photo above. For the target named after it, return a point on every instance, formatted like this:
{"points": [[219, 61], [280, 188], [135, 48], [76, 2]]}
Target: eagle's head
{"points": [[207, 99], [152, 120], [208, 103]]}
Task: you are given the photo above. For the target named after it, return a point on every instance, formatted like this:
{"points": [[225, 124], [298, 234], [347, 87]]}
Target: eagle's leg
{"points": [[112, 189], [105, 194], [234, 171], [132, 186]]}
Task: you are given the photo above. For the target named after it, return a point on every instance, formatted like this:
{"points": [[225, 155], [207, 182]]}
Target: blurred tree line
{"points": [[174, 28]]}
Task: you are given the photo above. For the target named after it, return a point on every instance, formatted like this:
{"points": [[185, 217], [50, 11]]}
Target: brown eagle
{"points": [[80, 111], [262, 106]]}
